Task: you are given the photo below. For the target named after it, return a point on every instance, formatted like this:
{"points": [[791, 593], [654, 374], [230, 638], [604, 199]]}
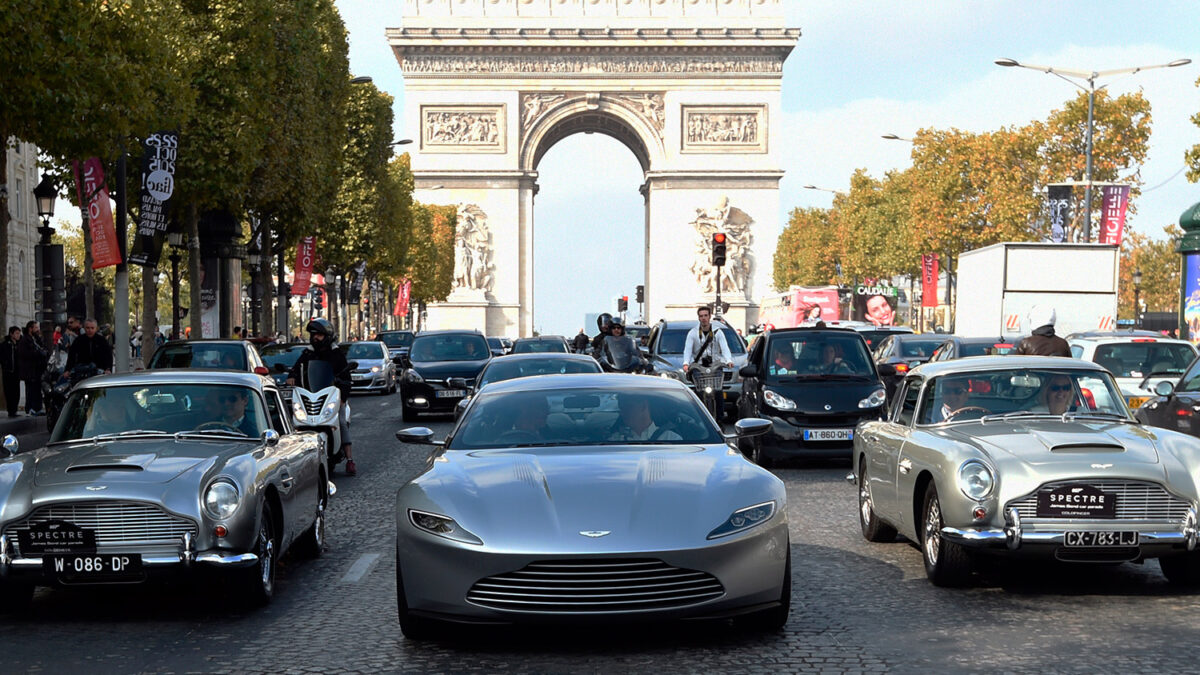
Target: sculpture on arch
{"points": [[473, 265], [739, 256]]}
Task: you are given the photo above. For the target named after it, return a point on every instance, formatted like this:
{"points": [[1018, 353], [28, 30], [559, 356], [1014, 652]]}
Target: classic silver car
{"points": [[561, 498], [1030, 456], [160, 472]]}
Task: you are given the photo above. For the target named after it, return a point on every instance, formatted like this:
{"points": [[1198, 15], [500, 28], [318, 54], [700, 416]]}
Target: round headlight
{"points": [[876, 399], [221, 499], [975, 480]]}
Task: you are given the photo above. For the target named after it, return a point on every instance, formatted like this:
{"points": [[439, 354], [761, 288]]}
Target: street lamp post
{"points": [[175, 240], [1089, 77], [45, 194], [1137, 297], [254, 257]]}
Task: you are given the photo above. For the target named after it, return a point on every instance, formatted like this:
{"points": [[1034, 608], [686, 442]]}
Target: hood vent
{"points": [[104, 467], [1087, 447]]}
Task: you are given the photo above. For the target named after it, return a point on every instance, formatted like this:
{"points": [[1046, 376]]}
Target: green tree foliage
{"points": [[1192, 156], [805, 253], [389, 260], [431, 252], [1159, 264]]}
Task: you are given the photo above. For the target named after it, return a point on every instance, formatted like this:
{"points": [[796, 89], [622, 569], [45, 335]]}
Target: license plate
{"points": [[1100, 539], [56, 536], [94, 567], [451, 393], [358, 376], [828, 434], [1076, 500], [1137, 401]]}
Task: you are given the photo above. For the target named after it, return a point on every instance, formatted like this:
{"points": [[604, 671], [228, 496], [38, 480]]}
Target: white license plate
{"points": [[1099, 539], [451, 393], [828, 434], [359, 376], [94, 566]]}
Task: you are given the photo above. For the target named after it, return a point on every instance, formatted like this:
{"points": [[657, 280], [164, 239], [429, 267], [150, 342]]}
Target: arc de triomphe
{"points": [[691, 87]]}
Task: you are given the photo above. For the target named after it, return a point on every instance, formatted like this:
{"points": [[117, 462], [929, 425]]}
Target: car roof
{"points": [[536, 338], [882, 329], [207, 341], [613, 381], [905, 337], [976, 363], [202, 376], [809, 329], [688, 323], [449, 331], [1109, 338], [542, 356]]}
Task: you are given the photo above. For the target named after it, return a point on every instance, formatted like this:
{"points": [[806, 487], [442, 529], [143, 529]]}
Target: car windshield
{"points": [[393, 340], [495, 343], [873, 337], [919, 349], [673, 339], [1018, 392], [165, 408], [228, 356], [286, 355], [566, 418], [1139, 358], [451, 347], [986, 348], [539, 346], [813, 355], [510, 369], [365, 350]]}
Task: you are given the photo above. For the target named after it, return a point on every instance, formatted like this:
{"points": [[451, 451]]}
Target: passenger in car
{"points": [[110, 414], [1057, 395]]}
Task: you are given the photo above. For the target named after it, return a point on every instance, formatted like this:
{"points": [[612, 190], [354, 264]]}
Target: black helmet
{"points": [[321, 326], [603, 321], [615, 321]]}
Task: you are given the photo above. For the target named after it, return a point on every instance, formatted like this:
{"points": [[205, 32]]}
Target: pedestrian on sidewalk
{"points": [[8, 369], [31, 361]]}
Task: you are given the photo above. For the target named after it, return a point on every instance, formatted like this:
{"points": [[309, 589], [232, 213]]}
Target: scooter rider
{"points": [[705, 342], [604, 323], [620, 351], [324, 348]]}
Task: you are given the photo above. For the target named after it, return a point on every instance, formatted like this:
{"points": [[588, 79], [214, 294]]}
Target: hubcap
{"points": [[268, 559], [864, 501], [319, 528], [933, 531]]}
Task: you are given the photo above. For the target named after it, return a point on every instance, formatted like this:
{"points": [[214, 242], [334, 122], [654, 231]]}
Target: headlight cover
{"points": [[744, 519], [876, 399], [778, 401], [975, 480], [413, 377], [298, 410], [442, 526], [374, 369], [221, 499]]}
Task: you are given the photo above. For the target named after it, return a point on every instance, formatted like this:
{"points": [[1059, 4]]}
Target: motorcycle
{"points": [[317, 405], [622, 355], [56, 386], [708, 381]]}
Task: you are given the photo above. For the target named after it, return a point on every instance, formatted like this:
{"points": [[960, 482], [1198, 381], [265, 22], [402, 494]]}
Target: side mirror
{"points": [[270, 437], [11, 445], [749, 370], [457, 383], [1164, 388], [751, 426], [418, 435], [885, 369]]}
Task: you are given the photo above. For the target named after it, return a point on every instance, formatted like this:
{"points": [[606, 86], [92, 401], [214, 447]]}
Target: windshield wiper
{"points": [[223, 433], [1016, 413], [1068, 416], [132, 432]]}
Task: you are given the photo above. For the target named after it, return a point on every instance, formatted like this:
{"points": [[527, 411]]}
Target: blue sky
{"points": [[860, 69]]}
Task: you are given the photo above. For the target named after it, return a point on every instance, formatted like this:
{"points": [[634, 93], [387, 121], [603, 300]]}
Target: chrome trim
{"points": [[225, 560], [1191, 530], [996, 537], [332, 489], [11, 445], [222, 559], [851, 478], [1012, 528], [5, 560], [189, 553]]}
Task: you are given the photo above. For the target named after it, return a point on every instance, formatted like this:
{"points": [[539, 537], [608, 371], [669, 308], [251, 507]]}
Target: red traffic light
{"points": [[718, 237]]}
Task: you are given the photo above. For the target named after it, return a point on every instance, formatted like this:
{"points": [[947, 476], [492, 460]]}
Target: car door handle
{"points": [[905, 465], [287, 481]]}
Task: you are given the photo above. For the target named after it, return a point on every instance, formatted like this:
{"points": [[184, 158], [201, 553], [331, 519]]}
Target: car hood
{"points": [[812, 396], [445, 369], [366, 364], [1049, 442], [145, 461], [664, 497]]}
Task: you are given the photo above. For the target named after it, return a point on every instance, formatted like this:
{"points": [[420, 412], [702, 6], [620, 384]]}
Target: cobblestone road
{"points": [[856, 607]]}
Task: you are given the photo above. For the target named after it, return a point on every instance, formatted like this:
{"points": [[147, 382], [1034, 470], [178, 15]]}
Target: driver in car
{"points": [[230, 407], [830, 362], [636, 423], [954, 395]]}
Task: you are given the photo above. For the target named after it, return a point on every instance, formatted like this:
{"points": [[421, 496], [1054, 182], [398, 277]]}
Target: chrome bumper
{"points": [[1014, 536], [185, 557]]}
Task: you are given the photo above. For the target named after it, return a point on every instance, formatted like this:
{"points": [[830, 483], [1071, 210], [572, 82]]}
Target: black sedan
{"points": [[435, 358], [904, 351], [815, 385], [513, 366], [956, 347], [1177, 404], [541, 344], [280, 358]]}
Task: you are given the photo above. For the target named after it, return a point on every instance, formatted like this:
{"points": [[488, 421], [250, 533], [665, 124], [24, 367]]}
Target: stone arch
{"points": [[592, 114]]}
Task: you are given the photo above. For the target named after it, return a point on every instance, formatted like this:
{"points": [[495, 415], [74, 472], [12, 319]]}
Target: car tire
{"points": [[946, 563], [312, 542], [1182, 569], [873, 529], [406, 413], [257, 582], [414, 628], [14, 597], [775, 618]]}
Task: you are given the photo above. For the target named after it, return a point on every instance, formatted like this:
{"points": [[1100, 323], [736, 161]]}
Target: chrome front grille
{"points": [[1136, 500], [595, 586], [116, 524]]}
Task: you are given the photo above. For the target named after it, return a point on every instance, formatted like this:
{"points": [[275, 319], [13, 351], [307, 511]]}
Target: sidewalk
{"points": [[21, 426]]}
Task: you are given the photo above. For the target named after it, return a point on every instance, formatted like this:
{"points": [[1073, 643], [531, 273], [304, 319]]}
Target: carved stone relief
{"points": [[533, 105], [555, 64], [474, 268], [739, 256], [648, 106], [462, 128], [739, 128]]}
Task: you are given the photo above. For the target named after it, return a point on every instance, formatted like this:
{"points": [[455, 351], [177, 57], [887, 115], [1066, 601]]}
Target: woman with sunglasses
{"points": [[1058, 394]]}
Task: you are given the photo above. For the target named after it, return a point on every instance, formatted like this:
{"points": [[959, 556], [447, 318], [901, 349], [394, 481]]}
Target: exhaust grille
{"points": [[1136, 500], [313, 406], [595, 586], [116, 524]]}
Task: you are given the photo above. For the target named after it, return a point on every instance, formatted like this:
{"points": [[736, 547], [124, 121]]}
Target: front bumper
{"points": [[377, 382], [424, 397], [785, 439], [31, 568]]}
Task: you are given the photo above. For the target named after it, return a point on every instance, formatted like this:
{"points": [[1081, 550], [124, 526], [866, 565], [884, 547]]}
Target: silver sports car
{"points": [[1031, 456], [161, 472], [573, 497]]}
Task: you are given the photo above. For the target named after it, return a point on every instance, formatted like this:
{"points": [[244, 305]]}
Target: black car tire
{"points": [[946, 563], [413, 627], [775, 618], [14, 597], [1182, 569], [752, 448], [873, 529], [312, 542], [257, 582]]}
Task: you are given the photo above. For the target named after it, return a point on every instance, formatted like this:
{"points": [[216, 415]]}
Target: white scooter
{"points": [[316, 405]]}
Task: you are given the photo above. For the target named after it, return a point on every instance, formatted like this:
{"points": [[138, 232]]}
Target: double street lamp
{"points": [[1089, 77]]}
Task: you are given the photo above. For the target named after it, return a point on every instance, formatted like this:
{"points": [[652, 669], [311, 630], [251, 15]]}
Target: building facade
{"points": [[22, 231]]}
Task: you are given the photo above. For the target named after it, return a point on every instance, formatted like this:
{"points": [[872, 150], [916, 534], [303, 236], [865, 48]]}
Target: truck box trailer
{"points": [[997, 285]]}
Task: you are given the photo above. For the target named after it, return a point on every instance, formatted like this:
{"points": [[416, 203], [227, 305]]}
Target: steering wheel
{"points": [[969, 408], [223, 426], [519, 436]]}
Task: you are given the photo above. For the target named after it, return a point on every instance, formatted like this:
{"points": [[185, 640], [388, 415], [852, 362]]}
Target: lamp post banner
{"points": [[1060, 211], [1113, 207], [306, 254], [158, 184], [402, 297], [929, 280], [89, 180]]}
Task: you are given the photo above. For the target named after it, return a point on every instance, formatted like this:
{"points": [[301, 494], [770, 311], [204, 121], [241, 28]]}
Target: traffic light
{"points": [[718, 249], [641, 294], [623, 303]]}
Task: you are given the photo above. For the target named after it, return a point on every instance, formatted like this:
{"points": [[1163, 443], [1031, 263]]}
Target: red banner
{"points": [[93, 197], [929, 280], [305, 255], [402, 297], [1112, 213]]}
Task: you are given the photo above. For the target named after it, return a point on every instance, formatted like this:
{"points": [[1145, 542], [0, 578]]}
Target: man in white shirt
{"points": [[698, 345], [636, 422]]}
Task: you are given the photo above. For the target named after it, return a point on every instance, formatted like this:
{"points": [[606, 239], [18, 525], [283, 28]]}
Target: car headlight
{"points": [[413, 377], [374, 369], [221, 499], [975, 480], [442, 526], [778, 401], [744, 519], [876, 399]]}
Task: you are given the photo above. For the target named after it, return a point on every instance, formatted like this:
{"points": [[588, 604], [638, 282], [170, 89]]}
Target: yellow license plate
{"points": [[1137, 401]]}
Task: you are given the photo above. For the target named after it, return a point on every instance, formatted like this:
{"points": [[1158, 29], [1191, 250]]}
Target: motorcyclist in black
{"points": [[603, 322], [620, 352], [324, 348]]}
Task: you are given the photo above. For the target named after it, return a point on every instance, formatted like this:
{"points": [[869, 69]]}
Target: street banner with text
{"points": [[1112, 213], [93, 198], [402, 297], [1060, 212], [305, 255], [929, 280], [158, 184]]}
